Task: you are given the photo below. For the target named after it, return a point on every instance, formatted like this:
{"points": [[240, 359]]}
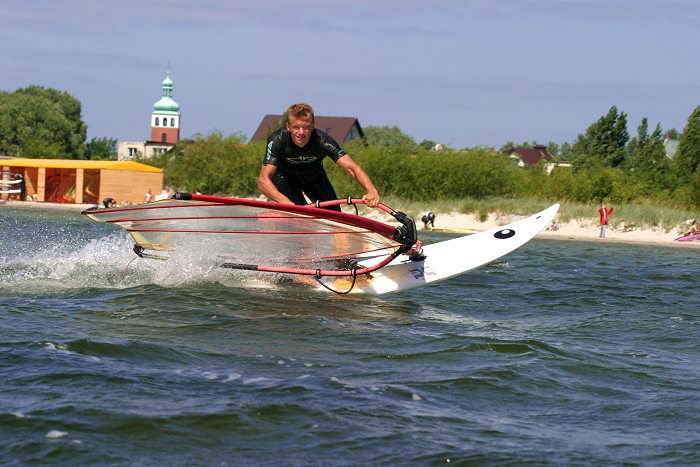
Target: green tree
{"points": [[693, 189], [604, 142], [41, 122], [646, 151], [566, 151], [672, 133], [213, 163], [688, 155], [388, 136], [431, 175], [101, 149], [508, 148], [553, 148], [427, 144]]}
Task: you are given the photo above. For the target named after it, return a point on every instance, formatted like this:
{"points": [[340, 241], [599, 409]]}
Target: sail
{"points": [[251, 232]]}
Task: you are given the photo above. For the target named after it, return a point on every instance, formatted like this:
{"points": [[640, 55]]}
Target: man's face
{"points": [[300, 129]]}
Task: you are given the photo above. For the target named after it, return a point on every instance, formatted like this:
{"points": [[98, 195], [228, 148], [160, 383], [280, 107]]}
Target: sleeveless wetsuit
{"points": [[300, 170]]}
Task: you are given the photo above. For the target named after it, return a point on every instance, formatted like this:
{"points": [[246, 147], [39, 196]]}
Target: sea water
{"points": [[561, 352]]}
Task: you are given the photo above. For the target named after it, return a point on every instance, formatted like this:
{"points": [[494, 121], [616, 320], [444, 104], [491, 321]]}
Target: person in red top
{"points": [[604, 217]]}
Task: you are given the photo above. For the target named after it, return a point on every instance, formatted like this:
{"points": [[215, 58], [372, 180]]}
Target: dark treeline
{"points": [[607, 162]]}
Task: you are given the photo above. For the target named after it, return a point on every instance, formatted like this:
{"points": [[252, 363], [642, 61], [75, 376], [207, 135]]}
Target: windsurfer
{"points": [[293, 163]]}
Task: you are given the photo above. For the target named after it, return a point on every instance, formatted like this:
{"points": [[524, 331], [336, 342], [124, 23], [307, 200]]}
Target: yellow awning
{"points": [[79, 164]]}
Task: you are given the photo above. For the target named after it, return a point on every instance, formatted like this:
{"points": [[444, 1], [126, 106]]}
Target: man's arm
{"points": [[351, 167], [268, 188]]}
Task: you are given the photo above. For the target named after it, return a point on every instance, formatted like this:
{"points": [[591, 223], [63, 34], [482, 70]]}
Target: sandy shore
{"points": [[582, 229]]}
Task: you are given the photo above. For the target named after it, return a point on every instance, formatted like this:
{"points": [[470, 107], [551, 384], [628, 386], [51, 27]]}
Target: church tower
{"points": [[165, 119]]}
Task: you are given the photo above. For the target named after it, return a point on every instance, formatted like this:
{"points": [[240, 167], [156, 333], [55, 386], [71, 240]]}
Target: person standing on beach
{"points": [[293, 163], [604, 217]]}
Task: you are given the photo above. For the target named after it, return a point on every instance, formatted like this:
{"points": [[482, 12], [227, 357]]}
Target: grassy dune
{"points": [[639, 215]]}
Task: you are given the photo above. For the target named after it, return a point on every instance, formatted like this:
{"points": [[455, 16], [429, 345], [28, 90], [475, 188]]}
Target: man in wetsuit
{"points": [[293, 164]]}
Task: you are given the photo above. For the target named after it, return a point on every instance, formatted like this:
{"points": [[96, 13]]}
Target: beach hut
{"points": [[88, 182]]}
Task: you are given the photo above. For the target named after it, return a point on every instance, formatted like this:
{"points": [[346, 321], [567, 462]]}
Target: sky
{"points": [[463, 73]]}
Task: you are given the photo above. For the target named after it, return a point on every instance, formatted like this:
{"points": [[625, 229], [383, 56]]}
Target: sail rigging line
{"points": [[339, 292], [406, 234], [309, 210], [181, 218]]}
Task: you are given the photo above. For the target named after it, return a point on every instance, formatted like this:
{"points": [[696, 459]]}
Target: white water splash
{"points": [[56, 434], [62, 256]]}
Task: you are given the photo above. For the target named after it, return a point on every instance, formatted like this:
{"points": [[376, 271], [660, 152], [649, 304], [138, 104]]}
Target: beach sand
{"points": [[580, 230]]}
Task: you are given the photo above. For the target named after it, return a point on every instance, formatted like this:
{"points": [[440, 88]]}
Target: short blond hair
{"points": [[300, 110]]}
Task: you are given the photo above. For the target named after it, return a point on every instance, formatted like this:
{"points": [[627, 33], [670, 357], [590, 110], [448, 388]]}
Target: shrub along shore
{"points": [[476, 181]]}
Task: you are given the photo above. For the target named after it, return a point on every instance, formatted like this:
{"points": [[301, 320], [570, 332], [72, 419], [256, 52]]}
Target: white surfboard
{"points": [[453, 257]]}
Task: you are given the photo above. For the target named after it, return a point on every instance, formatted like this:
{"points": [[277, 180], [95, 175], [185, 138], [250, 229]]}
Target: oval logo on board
{"points": [[503, 234]]}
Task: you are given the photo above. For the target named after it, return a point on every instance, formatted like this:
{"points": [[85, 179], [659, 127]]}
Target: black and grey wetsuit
{"points": [[300, 170]]}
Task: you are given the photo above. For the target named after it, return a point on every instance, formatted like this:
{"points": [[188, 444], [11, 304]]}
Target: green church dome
{"points": [[166, 102]]}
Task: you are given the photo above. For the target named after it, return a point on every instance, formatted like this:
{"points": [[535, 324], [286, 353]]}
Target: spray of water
{"points": [[61, 261]]}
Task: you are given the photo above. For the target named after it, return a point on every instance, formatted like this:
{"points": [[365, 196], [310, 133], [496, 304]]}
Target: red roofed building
{"points": [[341, 129], [531, 156]]}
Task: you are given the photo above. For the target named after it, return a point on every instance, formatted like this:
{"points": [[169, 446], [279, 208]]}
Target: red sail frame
{"points": [[405, 235], [313, 210]]}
